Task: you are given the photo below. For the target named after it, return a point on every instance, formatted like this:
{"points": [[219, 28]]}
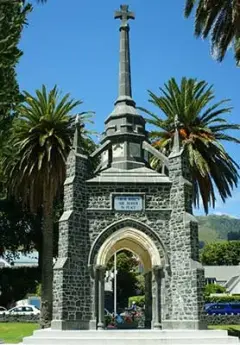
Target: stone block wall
{"points": [[20, 318], [185, 306], [89, 218], [72, 281], [222, 319]]}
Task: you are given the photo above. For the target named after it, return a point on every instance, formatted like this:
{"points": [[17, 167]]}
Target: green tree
{"points": [[201, 129], [221, 253], [221, 21], [12, 18], [127, 282], [19, 229], [41, 140]]}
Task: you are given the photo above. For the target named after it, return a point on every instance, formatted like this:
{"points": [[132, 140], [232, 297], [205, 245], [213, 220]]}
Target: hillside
{"points": [[214, 228]]}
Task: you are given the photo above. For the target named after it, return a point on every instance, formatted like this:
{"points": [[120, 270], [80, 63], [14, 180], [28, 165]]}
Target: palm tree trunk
{"points": [[47, 263]]}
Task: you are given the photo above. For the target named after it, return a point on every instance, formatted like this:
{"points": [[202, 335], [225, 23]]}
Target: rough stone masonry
{"points": [[128, 205]]}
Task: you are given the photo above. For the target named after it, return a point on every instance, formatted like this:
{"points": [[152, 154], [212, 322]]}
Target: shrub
{"points": [[213, 288], [108, 320], [222, 299], [140, 300]]}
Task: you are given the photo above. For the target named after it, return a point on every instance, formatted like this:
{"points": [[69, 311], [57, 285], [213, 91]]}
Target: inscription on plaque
{"points": [[128, 203]]}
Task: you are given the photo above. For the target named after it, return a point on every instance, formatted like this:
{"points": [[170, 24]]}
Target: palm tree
{"points": [[221, 21], [42, 137], [201, 130]]}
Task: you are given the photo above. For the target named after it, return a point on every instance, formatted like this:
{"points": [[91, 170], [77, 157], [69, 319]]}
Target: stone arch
{"points": [[133, 240], [132, 235]]}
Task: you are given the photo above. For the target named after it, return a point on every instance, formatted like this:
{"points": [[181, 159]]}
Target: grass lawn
{"points": [[235, 327], [14, 332], [233, 330]]}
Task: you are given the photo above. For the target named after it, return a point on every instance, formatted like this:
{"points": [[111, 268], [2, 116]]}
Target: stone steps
{"points": [[131, 333], [130, 337], [132, 341]]}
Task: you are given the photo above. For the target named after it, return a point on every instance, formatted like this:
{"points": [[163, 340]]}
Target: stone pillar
{"points": [[101, 285], [148, 299], [94, 293], [72, 284], [186, 284], [156, 297]]}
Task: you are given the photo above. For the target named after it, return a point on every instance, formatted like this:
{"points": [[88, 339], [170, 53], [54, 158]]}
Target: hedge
{"points": [[215, 299], [140, 300]]}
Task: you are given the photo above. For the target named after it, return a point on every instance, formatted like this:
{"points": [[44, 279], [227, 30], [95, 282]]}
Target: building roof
{"points": [[30, 259], [4, 263], [222, 273], [230, 285]]}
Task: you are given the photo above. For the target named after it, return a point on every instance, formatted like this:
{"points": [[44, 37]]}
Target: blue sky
{"points": [[75, 43]]}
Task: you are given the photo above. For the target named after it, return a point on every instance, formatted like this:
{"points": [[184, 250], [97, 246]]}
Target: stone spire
{"points": [[124, 128], [125, 87], [124, 146], [176, 141], [77, 134]]}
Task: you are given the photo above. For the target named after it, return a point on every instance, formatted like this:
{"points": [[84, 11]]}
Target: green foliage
{"points": [[39, 290], [41, 139], [16, 283], [19, 230], [126, 276], [222, 299], [140, 300], [12, 18], [108, 319], [221, 253], [219, 20], [213, 288], [140, 284], [201, 129]]}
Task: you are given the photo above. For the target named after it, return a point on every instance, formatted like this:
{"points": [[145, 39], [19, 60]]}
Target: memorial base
{"points": [[130, 337]]}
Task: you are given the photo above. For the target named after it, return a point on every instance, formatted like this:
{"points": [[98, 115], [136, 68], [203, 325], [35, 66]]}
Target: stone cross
{"points": [[125, 89], [124, 15]]}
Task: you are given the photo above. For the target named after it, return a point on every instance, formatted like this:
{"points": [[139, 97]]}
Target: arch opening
{"points": [[133, 240], [138, 238]]}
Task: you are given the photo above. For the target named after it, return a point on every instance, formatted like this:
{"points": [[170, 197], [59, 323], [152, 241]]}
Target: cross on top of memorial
{"points": [[125, 144], [124, 15]]}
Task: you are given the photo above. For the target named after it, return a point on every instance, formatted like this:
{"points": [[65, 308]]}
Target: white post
{"points": [[115, 283]]}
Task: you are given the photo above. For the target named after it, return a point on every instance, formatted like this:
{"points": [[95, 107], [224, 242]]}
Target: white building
{"points": [[227, 276]]}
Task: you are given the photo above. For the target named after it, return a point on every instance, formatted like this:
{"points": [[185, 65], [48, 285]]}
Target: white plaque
{"points": [[128, 203]]}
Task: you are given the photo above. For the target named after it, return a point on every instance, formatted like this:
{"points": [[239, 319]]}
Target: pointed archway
{"points": [[145, 247]]}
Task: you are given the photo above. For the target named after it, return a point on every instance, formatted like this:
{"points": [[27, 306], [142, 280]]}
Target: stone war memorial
{"points": [[128, 205]]}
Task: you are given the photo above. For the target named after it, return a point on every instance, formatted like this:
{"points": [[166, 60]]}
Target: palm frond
{"points": [[201, 132]]}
